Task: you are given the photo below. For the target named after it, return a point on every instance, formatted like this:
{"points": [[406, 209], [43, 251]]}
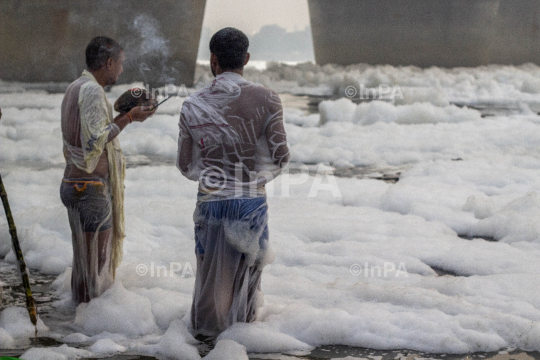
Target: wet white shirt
{"points": [[232, 138]]}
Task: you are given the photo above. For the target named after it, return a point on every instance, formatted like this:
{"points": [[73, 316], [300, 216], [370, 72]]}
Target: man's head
{"points": [[105, 57], [228, 48]]}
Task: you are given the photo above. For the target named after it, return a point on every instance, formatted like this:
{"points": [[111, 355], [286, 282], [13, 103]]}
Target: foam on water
{"points": [[357, 266], [496, 84]]}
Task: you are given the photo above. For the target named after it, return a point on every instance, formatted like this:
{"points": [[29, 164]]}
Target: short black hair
{"points": [[99, 50], [230, 45]]}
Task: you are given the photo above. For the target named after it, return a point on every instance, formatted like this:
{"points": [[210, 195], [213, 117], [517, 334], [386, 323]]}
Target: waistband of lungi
{"points": [[81, 183]]}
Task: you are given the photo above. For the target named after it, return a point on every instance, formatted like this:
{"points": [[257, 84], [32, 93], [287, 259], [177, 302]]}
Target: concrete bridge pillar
{"points": [[517, 38], [44, 40], [425, 33]]}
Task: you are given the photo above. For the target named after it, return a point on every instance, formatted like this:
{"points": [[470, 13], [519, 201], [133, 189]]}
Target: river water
{"points": [[61, 319]]}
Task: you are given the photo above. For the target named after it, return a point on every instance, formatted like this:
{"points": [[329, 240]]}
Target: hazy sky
{"points": [[250, 15]]}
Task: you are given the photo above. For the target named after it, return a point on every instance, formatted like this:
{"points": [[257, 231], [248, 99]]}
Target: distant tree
{"points": [[274, 43], [271, 43]]}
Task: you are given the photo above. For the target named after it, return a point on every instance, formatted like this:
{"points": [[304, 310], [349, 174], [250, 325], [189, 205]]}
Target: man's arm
{"points": [[96, 130], [276, 138], [138, 113], [185, 147]]}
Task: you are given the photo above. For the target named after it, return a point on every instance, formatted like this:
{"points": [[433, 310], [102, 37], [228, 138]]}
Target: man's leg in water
{"points": [[89, 208], [103, 240], [226, 287]]}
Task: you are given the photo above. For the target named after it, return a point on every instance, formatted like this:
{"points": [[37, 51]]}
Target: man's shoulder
{"points": [[84, 85], [262, 94], [261, 89], [198, 94], [91, 91], [77, 83], [249, 89], [88, 84]]}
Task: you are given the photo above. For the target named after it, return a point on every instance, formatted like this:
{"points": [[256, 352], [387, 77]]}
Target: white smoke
{"points": [[152, 50]]}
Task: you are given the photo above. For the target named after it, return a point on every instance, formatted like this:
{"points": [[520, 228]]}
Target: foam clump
{"points": [[117, 310], [62, 284], [261, 338], [517, 221], [76, 338], [106, 346], [298, 117], [63, 352], [531, 86], [410, 95], [496, 83], [368, 113], [227, 350], [6, 340], [480, 207], [45, 250], [16, 322], [339, 110], [176, 343]]}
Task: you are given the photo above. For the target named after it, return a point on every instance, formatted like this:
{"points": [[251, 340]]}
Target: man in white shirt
{"points": [[93, 185], [232, 141]]}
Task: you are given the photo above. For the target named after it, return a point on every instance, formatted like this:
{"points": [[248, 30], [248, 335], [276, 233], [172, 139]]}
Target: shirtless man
{"points": [[232, 141], [93, 185]]}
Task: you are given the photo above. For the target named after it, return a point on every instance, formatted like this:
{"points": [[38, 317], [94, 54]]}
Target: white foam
{"points": [[106, 346], [16, 322], [176, 343], [76, 338], [6, 339], [227, 350], [260, 338], [336, 278], [369, 113], [63, 352], [497, 84], [381, 223], [117, 311], [516, 221]]}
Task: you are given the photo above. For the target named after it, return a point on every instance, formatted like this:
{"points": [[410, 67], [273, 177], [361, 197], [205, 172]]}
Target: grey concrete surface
{"points": [[517, 38], [44, 40], [425, 33]]}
